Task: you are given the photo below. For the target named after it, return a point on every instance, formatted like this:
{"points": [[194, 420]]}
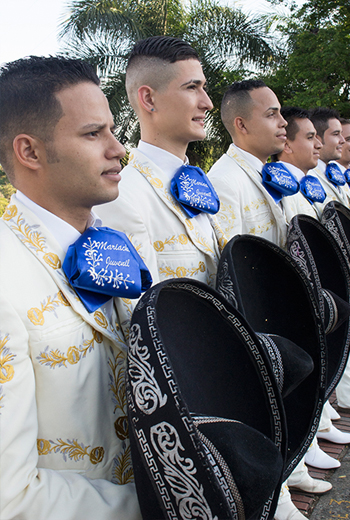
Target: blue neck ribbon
{"points": [[192, 189], [103, 264], [312, 189], [347, 176], [335, 175], [279, 181]]}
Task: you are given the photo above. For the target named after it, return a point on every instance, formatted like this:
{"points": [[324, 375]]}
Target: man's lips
{"points": [[283, 137]]}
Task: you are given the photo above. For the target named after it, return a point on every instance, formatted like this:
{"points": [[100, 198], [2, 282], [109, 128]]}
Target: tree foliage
{"points": [[231, 46], [315, 69]]}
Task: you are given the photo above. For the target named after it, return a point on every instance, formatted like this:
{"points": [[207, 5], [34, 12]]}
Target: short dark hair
{"points": [[27, 97], [165, 48], [236, 100], [320, 117], [344, 121], [290, 114]]}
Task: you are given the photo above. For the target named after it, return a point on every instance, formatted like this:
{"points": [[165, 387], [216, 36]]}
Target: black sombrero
{"points": [[316, 251], [273, 294], [206, 417], [336, 218]]}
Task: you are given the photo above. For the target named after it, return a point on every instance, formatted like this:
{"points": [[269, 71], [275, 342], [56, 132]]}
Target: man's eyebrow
{"points": [[311, 133], [275, 109], [195, 81], [97, 127]]}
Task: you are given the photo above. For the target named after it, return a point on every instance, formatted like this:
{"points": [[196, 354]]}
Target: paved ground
{"points": [[336, 503]]}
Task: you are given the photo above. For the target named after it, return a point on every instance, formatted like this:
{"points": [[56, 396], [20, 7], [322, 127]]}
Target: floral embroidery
{"points": [[257, 230], [28, 235], [36, 315], [6, 369], [100, 319], [55, 358], [181, 239], [10, 212], [116, 384], [182, 272], [122, 472], [147, 172], [71, 449]]}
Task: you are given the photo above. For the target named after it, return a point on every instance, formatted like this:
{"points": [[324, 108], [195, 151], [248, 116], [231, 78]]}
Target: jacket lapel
{"points": [[38, 240], [161, 186], [257, 180]]}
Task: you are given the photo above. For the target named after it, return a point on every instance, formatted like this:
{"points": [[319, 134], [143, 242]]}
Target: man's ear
{"points": [[239, 124], [287, 149], [28, 150], [146, 98]]}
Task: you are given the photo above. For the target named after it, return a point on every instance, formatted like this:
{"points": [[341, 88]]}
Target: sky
{"points": [[30, 27]]}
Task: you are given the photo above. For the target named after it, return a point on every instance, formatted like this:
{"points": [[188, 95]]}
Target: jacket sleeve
{"points": [[26, 491]]}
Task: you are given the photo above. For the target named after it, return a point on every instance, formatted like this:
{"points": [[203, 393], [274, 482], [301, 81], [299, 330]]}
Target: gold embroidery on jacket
{"points": [[258, 230], [36, 315], [147, 172], [71, 449], [181, 272], [55, 358], [122, 472], [180, 239], [6, 369], [29, 236]]}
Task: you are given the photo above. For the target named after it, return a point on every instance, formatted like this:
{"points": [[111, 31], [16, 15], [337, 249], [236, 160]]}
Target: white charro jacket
{"points": [[171, 244], [246, 207], [64, 439]]}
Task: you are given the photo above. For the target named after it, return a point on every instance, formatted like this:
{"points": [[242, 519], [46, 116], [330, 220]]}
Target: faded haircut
{"points": [[149, 61], [27, 98], [237, 101]]}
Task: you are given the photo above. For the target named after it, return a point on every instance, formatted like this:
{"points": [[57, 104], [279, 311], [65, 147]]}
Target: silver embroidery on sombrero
{"points": [[225, 284], [148, 395], [179, 472]]}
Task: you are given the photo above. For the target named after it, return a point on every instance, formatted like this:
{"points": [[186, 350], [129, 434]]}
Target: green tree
{"points": [[231, 46], [6, 190], [315, 69]]}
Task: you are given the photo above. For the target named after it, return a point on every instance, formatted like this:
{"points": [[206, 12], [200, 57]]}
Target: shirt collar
{"points": [[342, 168], [297, 172], [64, 233], [164, 160], [322, 166], [250, 158]]}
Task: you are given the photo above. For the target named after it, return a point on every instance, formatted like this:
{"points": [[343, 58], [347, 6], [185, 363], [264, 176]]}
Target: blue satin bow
{"points": [[102, 264], [312, 189], [192, 189], [279, 181], [335, 175], [347, 176]]}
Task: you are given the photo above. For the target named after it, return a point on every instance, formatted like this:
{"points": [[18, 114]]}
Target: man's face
{"points": [[180, 107], [345, 151], [305, 147], [332, 141], [83, 159], [266, 133]]}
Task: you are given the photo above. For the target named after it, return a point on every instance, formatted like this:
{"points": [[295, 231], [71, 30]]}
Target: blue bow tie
{"points": [[279, 181], [335, 175], [312, 189], [193, 190], [102, 264], [347, 176]]}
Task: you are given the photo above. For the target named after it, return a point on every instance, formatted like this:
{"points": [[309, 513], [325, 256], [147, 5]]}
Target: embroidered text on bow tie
{"points": [[193, 190], [312, 189], [335, 175], [279, 181], [103, 263]]}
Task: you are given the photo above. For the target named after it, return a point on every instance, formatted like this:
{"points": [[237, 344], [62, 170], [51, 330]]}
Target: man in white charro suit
{"points": [[166, 88], [65, 450]]}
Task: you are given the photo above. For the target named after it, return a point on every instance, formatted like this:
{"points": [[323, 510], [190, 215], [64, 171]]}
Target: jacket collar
{"points": [[161, 185], [35, 236]]}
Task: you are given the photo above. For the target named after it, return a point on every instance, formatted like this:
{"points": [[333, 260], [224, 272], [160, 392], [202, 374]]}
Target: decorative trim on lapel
{"points": [[160, 183], [280, 218], [333, 192], [38, 240]]}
